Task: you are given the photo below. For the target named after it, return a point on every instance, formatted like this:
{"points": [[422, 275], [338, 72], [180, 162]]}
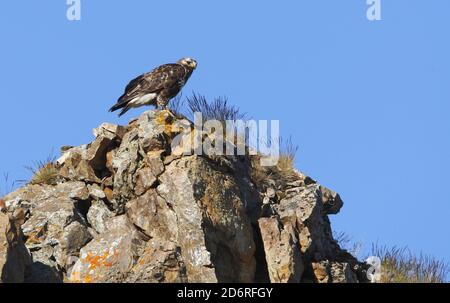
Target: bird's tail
{"points": [[124, 110], [117, 106]]}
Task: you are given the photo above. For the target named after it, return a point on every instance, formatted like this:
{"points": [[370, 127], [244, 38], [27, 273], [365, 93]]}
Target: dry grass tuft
{"points": [[44, 172], [219, 109], [286, 163], [282, 173], [7, 185], [346, 242], [260, 174], [400, 265]]}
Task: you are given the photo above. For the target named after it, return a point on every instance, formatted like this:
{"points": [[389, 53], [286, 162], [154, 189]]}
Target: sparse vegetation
{"points": [[7, 185], [219, 109], [44, 172], [400, 265], [283, 172], [286, 163], [346, 242], [260, 174]]}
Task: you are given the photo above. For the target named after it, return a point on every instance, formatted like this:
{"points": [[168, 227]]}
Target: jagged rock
{"points": [[213, 229], [96, 192], [270, 193], [147, 176], [132, 206], [332, 202], [98, 215], [14, 256], [153, 128], [333, 272], [125, 165], [56, 228], [284, 260], [76, 166], [302, 211], [44, 269], [110, 131], [96, 153], [161, 261], [153, 215], [110, 256], [342, 273]]}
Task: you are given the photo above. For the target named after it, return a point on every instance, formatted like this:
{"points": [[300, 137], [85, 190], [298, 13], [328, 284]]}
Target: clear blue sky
{"points": [[367, 102]]}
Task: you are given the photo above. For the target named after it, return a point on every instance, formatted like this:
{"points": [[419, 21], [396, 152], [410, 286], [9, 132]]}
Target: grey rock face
{"points": [[284, 260], [132, 207], [14, 256]]}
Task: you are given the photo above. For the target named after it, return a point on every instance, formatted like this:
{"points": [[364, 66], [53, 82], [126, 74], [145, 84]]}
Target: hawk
{"points": [[157, 87]]}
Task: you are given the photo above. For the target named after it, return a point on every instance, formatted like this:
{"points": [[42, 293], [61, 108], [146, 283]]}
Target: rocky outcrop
{"points": [[133, 207], [14, 256]]}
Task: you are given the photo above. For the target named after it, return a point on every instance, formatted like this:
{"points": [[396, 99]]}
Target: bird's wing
{"points": [[162, 77]]}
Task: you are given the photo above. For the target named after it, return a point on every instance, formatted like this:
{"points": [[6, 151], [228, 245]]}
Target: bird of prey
{"points": [[157, 87]]}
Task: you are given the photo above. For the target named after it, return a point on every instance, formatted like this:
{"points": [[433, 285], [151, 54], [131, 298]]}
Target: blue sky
{"points": [[367, 102]]}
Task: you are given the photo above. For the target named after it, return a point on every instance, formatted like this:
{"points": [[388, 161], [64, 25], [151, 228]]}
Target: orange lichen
{"points": [[100, 260], [88, 279], [164, 119]]}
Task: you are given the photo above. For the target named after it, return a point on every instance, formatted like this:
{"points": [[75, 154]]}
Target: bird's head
{"points": [[188, 62]]}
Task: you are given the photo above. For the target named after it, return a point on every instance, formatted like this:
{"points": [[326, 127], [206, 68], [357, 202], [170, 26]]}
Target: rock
{"points": [[153, 129], [147, 176], [75, 165], [3, 206], [342, 273], [153, 215], [56, 228], [132, 206], [110, 256], [109, 194], [125, 165], [270, 193], [75, 236], [160, 262], [283, 256], [96, 192], [44, 268], [98, 215], [304, 212], [96, 153], [79, 191], [321, 272], [213, 229], [70, 151], [110, 131], [145, 179], [333, 272], [14, 256], [332, 202]]}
